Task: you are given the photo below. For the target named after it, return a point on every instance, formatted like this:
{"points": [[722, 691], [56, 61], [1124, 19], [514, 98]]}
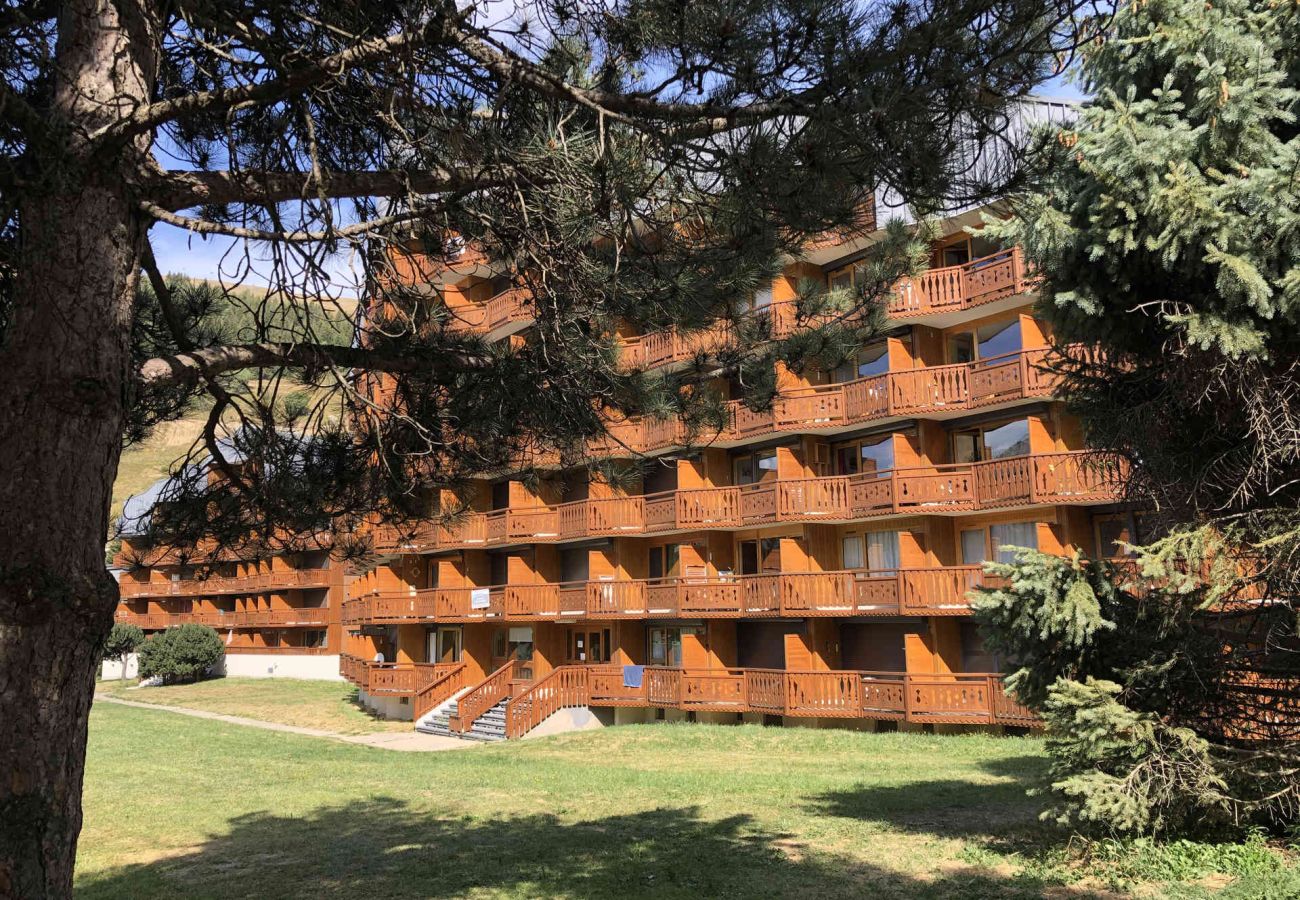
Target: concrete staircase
{"points": [[491, 726]]}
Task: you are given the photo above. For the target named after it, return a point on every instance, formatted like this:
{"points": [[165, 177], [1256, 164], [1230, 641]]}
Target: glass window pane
{"points": [[1017, 534], [749, 557], [999, 339], [1012, 439], [767, 461], [882, 551], [656, 562], [851, 551], [1112, 534], [763, 297], [846, 461], [744, 468], [961, 348], [878, 457], [873, 361], [965, 447], [973, 551]]}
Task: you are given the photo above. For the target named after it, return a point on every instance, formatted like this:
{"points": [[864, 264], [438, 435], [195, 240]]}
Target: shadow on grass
{"points": [[996, 813], [385, 848]]}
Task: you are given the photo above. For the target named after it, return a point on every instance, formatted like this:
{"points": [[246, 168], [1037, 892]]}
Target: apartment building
{"points": [[808, 564], [277, 614]]}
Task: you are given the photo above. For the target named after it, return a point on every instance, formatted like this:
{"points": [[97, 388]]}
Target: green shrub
{"points": [[122, 641], [187, 653]]}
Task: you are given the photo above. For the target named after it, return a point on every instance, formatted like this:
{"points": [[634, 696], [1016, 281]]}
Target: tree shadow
{"points": [[384, 848], [999, 813]]}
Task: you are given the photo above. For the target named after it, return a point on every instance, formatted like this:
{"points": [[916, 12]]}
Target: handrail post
{"points": [[907, 697]]}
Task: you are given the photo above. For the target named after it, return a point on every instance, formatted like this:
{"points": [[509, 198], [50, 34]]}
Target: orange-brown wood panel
{"points": [[722, 644], [798, 655]]}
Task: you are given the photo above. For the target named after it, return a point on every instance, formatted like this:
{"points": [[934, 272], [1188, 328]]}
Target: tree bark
{"points": [[65, 363]]}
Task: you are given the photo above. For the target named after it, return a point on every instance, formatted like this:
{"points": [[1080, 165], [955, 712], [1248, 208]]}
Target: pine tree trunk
{"points": [[63, 393]]}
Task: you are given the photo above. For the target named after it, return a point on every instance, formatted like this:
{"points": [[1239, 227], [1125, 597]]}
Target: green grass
{"points": [[185, 807], [327, 705]]}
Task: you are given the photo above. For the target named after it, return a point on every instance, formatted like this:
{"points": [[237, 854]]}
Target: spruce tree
{"points": [[1164, 222]]}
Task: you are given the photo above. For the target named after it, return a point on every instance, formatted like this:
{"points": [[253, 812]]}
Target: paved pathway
{"points": [[408, 741]]}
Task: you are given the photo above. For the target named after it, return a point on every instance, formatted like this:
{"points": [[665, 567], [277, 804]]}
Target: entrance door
{"points": [[444, 645]]}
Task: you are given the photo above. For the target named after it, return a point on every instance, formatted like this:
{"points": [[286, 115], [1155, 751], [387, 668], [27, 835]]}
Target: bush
{"points": [[122, 641], [186, 653]]}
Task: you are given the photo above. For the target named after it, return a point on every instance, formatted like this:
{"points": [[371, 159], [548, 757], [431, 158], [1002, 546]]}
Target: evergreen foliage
{"points": [[1164, 223], [188, 652]]}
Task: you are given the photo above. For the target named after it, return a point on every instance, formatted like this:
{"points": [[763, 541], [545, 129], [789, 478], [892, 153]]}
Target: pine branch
{"points": [[209, 362], [175, 190]]}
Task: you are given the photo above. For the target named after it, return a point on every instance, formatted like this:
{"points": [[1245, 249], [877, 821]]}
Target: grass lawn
{"points": [[184, 807], [313, 704]]}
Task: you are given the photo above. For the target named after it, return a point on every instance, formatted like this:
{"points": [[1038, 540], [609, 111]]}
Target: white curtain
{"points": [[1017, 534], [882, 551]]}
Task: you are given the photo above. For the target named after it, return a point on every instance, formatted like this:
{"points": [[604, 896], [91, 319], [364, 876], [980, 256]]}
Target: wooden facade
{"points": [[807, 562]]}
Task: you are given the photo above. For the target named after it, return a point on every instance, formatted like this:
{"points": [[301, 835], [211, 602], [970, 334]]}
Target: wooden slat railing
{"points": [[446, 680], [485, 695], [562, 688]]}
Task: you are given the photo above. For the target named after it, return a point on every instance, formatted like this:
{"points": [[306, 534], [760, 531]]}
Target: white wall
{"points": [[282, 665], [113, 669]]}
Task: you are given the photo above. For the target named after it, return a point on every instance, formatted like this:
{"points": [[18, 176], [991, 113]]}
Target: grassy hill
{"points": [[143, 464]]}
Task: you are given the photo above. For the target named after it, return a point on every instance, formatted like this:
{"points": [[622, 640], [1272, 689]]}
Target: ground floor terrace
{"points": [[887, 671]]}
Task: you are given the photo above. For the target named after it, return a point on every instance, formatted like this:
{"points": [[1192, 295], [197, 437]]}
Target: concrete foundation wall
{"points": [[397, 708], [113, 669], [282, 665]]}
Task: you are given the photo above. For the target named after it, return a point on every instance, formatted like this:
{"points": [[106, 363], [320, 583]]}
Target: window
{"points": [[851, 551], [873, 360], [957, 254], [868, 456], [499, 568], [763, 297], [313, 638], [974, 549], [663, 560], [1113, 532], [879, 456], [1011, 439], [1016, 534], [574, 565], [882, 551], [501, 495], [666, 644], [755, 467], [763, 555], [843, 279], [1001, 442], [961, 348], [999, 339]]}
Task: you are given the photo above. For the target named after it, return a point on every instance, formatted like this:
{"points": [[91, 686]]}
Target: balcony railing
{"points": [[959, 698], [314, 616], [268, 582], [425, 681], [1077, 476], [825, 409], [935, 591]]}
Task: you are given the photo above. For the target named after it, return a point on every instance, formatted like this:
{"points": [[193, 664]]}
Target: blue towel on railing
{"points": [[632, 676]]}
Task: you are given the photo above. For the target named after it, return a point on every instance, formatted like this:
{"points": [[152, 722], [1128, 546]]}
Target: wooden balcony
{"points": [[302, 617], [957, 699], [508, 312], [960, 699], [270, 582], [936, 591], [1077, 476], [395, 679]]}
